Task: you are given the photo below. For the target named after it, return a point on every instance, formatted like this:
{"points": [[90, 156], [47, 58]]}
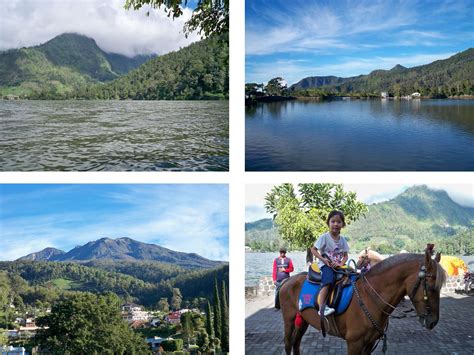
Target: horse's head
{"points": [[425, 294], [363, 259]]}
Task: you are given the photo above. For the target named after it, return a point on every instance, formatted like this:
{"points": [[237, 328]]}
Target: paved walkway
{"points": [[454, 334]]}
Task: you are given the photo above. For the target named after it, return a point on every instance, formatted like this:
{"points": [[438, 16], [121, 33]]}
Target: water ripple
{"points": [[114, 135]]}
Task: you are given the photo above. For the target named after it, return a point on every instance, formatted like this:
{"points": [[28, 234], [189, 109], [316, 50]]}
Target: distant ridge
{"points": [[122, 249], [452, 76]]}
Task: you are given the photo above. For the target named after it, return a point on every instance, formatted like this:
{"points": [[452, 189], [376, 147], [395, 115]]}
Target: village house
{"points": [[132, 312], [173, 318], [155, 343], [10, 350], [384, 95], [416, 95]]}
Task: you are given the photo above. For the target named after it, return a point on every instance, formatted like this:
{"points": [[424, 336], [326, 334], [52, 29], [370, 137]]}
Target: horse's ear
{"points": [[438, 257], [427, 257]]}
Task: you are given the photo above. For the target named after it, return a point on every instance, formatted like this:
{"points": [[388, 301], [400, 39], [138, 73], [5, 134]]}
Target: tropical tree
{"points": [[209, 16], [301, 217]]}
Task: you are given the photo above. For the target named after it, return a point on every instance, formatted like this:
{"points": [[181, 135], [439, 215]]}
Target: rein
{"points": [[422, 279]]}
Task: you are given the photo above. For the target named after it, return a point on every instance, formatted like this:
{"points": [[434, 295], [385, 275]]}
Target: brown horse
{"points": [[379, 292]]}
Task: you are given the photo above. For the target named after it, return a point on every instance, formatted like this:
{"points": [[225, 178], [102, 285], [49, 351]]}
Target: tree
{"points": [[209, 16], [176, 299], [163, 305], [224, 319], [3, 337], [301, 219], [209, 326], [276, 87], [84, 323], [217, 313], [187, 327]]}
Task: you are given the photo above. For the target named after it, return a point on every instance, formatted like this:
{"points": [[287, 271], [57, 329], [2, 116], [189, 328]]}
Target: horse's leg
{"points": [[298, 335], [355, 347], [289, 323]]}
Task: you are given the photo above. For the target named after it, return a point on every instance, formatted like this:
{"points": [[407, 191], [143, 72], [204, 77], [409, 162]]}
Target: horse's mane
{"points": [[375, 254], [391, 261]]}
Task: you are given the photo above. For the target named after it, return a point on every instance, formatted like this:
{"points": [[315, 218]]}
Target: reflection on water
{"points": [[423, 135], [114, 135]]}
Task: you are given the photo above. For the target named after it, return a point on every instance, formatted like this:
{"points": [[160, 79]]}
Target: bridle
{"points": [[422, 279], [365, 260], [423, 275]]}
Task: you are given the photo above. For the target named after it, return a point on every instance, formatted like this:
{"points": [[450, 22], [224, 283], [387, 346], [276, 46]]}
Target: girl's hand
{"points": [[327, 262]]}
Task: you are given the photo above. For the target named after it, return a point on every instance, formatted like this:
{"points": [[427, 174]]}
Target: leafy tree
{"points": [[176, 299], [87, 323], [163, 305], [276, 86], [209, 16], [3, 337], [301, 219]]}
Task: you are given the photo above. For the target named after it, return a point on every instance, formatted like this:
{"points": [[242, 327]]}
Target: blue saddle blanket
{"points": [[309, 296]]}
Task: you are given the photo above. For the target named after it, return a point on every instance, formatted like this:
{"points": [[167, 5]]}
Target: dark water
{"points": [[114, 135], [361, 135]]}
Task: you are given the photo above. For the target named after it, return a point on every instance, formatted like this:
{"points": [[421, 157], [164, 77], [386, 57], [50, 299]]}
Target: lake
{"points": [[360, 135], [258, 265], [114, 135]]}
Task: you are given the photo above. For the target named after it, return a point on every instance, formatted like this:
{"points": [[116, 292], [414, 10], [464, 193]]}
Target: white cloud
{"points": [[462, 194], [30, 22]]}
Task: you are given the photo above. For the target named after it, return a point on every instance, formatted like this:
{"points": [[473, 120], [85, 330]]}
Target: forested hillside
{"points": [[199, 71], [407, 222], [442, 78], [145, 284], [60, 66], [72, 66]]}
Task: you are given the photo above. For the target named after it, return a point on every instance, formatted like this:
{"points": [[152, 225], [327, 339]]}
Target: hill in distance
{"points": [[452, 76], [64, 63], [125, 249], [408, 221]]}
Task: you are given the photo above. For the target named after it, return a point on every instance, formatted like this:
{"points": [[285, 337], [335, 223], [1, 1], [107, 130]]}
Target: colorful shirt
{"points": [[285, 263], [334, 249]]}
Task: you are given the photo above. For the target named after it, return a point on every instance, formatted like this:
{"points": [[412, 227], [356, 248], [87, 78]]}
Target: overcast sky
{"points": [[27, 23], [187, 218], [463, 194]]}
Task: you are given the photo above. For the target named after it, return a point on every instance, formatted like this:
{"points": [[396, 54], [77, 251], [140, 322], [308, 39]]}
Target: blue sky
{"points": [[188, 218], [299, 38], [462, 194]]}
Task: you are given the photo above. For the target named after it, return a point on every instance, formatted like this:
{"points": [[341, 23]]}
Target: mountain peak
{"points": [[45, 254], [128, 249], [398, 67]]}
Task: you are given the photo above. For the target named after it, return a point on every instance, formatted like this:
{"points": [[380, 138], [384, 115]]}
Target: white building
{"points": [[10, 350], [416, 95], [132, 312]]}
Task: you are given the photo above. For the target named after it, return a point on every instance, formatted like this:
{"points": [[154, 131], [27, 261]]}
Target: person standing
{"points": [[282, 266]]}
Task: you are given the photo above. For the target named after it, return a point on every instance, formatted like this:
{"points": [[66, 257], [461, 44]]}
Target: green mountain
{"points": [[452, 76], [199, 71], [63, 64], [410, 220], [124, 249], [45, 254]]}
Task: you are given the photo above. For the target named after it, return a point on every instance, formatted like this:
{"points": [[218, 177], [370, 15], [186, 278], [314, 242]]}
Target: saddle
{"points": [[340, 296]]}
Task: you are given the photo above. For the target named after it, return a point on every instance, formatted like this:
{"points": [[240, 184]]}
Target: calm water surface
{"points": [[114, 135], [361, 135], [258, 265]]}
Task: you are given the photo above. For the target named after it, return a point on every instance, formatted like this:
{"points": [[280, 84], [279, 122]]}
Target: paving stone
{"points": [[454, 334]]}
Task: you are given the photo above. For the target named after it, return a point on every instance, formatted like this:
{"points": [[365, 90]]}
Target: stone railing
{"points": [[453, 284]]}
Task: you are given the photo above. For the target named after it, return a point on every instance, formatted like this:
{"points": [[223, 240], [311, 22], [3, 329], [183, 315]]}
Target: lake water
{"points": [[361, 135], [258, 265], [114, 135]]}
